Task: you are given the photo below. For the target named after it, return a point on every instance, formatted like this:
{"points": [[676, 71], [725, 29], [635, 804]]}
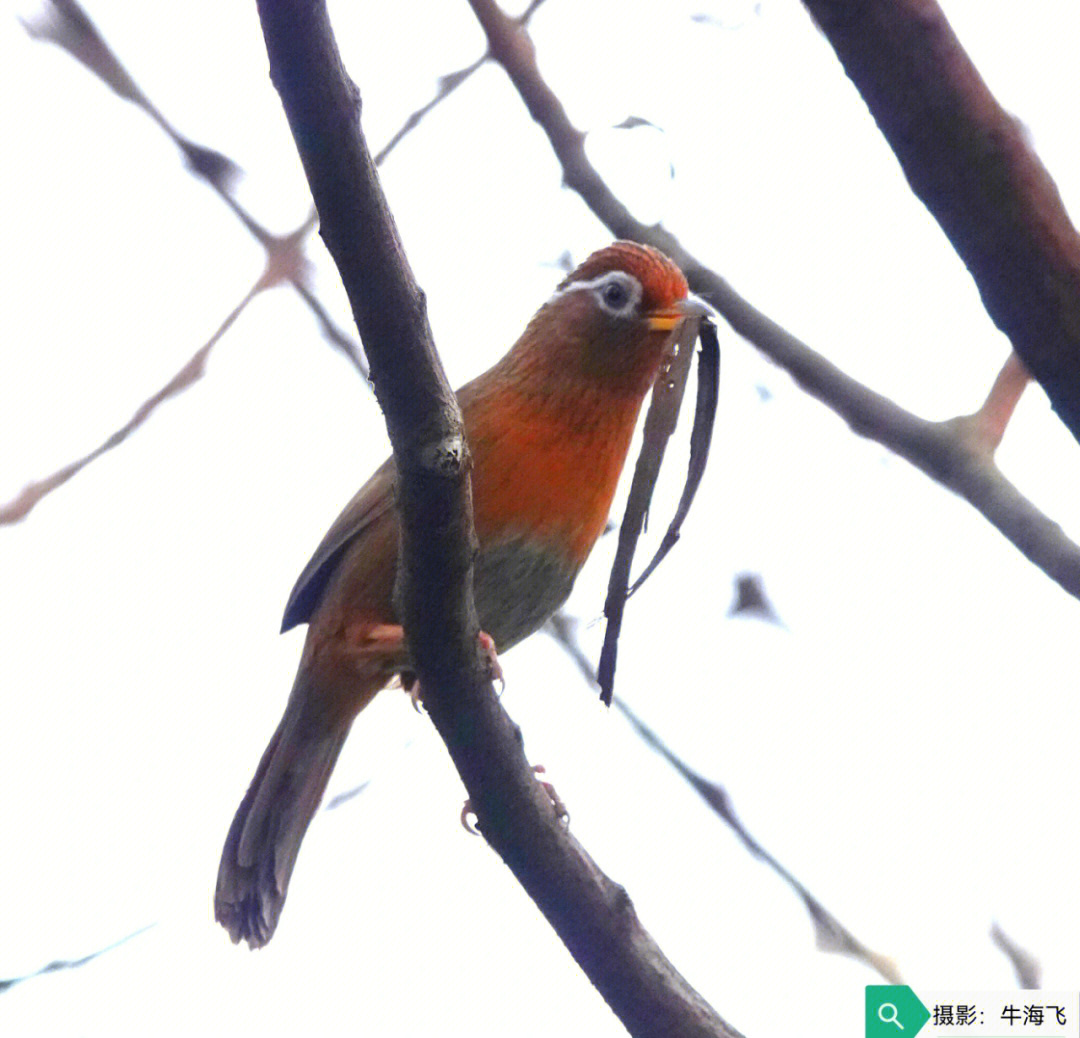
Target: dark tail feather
{"points": [[265, 835]]}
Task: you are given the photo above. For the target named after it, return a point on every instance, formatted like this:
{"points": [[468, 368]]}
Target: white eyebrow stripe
{"points": [[576, 286]]}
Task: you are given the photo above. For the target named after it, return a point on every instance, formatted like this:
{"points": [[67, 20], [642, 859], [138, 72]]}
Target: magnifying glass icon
{"points": [[887, 1014]]}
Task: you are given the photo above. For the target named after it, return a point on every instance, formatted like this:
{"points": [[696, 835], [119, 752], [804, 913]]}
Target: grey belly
{"points": [[518, 586]]}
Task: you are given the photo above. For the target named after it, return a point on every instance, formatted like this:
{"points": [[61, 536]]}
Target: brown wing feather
{"points": [[372, 500]]}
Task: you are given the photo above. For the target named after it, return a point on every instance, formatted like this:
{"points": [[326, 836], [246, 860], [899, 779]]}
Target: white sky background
{"points": [[906, 746]]}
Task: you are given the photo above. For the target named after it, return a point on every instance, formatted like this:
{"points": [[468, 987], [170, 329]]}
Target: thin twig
{"points": [[18, 508], [448, 83], [830, 934], [1025, 965], [986, 427], [592, 915], [345, 796], [73, 30], [936, 448], [71, 964], [284, 261]]}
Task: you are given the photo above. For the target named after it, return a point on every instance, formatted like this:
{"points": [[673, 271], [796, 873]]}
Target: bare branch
{"points": [[71, 28], [285, 262], [971, 164], [448, 83], [591, 914], [934, 447], [346, 796], [831, 935], [1024, 964], [70, 964], [286, 253], [986, 427], [192, 371]]}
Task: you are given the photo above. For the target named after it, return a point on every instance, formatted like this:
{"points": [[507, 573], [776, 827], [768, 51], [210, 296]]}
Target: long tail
{"points": [[265, 836]]}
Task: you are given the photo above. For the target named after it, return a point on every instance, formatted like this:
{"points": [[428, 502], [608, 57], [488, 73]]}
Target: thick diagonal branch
{"points": [[592, 914], [939, 449], [971, 164]]}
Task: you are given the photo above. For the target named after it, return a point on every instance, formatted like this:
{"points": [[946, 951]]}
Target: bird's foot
{"points": [[556, 801], [468, 815], [411, 684], [487, 647]]}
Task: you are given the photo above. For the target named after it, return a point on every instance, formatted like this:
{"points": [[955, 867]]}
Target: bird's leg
{"points": [[367, 643], [376, 637], [561, 813]]}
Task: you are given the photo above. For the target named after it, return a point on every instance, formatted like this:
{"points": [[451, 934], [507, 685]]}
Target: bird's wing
{"points": [[371, 502]]}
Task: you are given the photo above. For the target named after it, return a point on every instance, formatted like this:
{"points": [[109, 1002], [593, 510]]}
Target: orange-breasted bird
{"points": [[549, 427]]}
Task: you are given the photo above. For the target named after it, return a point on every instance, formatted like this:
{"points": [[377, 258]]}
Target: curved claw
{"points": [[469, 817], [556, 801], [487, 646], [467, 812], [409, 682]]}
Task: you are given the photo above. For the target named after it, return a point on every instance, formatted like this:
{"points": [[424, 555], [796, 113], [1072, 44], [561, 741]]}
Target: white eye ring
{"points": [[617, 292]]}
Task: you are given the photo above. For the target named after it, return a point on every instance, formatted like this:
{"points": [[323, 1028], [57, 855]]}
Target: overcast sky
{"points": [[905, 743]]}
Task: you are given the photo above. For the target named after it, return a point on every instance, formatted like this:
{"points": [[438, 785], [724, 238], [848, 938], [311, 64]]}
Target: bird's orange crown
{"points": [[662, 282]]}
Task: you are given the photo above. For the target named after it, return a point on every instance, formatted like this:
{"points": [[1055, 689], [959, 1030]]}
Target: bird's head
{"points": [[610, 319]]}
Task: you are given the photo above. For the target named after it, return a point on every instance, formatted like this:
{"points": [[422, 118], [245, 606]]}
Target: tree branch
{"points": [[71, 28], [939, 449], [57, 965], [593, 916], [987, 425], [19, 507], [1025, 965], [831, 934], [970, 163], [66, 24]]}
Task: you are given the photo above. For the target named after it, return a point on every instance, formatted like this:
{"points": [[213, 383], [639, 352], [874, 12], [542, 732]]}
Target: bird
{"points": [[548, 427]]}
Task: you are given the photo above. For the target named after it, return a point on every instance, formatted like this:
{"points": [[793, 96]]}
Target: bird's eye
{"points": [[616, 296]]}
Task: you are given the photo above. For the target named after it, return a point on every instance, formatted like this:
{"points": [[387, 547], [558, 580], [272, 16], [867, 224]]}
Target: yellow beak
{"points": [[668, 318]]}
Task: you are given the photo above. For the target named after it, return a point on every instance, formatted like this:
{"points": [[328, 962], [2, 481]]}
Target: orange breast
{"points": [[547, 469]]}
